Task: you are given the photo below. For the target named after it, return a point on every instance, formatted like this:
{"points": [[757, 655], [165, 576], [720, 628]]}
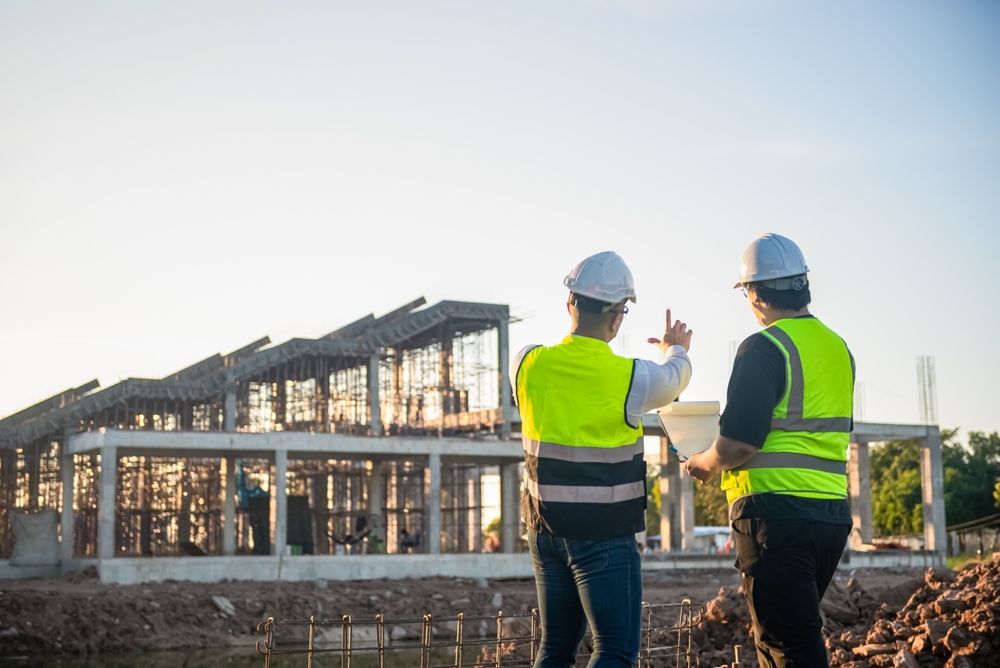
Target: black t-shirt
{"points": [[755, 388]]}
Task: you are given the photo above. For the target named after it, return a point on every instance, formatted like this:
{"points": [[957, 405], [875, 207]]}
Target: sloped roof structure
{"points": [[408, 326]]}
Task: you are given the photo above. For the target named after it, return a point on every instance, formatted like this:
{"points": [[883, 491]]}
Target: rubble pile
{"points": [[945, 619], [951, 620]]}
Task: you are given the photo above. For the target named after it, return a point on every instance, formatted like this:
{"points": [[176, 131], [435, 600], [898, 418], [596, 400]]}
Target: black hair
{"points": [[588, 304], [787, 300]]}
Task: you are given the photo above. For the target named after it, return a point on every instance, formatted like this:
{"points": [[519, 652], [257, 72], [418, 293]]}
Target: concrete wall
{"points": [[124, 570]]}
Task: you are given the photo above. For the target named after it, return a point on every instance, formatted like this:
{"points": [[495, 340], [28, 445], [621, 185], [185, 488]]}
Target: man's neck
{"points": [[775, 315], [589, 333]]}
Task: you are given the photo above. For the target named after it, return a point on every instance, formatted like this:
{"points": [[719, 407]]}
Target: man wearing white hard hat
{"points": [[782, 451], [585, 496]]}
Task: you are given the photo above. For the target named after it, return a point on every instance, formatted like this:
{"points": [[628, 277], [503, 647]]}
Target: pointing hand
{"points": [[675, 334]]}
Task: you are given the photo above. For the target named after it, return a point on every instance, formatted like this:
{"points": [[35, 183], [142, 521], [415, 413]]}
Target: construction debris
{"points": [[945, 619]]}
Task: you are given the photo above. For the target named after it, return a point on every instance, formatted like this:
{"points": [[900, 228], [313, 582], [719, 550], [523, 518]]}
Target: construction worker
{"points": [[782, 451], [584, 474]]}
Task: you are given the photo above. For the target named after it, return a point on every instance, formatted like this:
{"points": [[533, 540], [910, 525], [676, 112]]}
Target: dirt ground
{"points": [[76, 615]]}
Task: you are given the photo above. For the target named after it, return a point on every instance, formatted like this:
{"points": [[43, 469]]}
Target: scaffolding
{"points": [[417, 371]]}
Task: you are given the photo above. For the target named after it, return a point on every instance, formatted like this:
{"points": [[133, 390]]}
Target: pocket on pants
{"points": [[756, 539], [589, 554]]}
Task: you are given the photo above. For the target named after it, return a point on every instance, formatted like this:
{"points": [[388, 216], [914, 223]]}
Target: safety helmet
{"points": [[775, 261], [604, 277]]}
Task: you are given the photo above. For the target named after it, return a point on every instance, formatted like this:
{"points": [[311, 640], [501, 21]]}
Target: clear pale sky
{"points": [[180, 178]]}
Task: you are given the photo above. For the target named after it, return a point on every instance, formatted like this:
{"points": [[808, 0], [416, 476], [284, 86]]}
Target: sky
{"points": [[181, 178]]}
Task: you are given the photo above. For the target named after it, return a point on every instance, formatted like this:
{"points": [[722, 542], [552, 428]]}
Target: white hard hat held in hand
{"points": [[772, 257], [604, 277]]}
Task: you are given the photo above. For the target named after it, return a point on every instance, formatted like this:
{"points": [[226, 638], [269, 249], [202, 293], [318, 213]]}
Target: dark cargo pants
{"points": [[786, 566]]}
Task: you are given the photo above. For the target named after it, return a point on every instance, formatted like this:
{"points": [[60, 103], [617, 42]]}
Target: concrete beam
{"points": [[229, 410], [66, 519], [229, 507], [932, 490], [859, 479], [297, 444], [510, 507], [280, 502], [670, 499], [507, 410], [375, 501], [374, 405], [874, 431], [432, 539], [687, 512], [107, 503]]}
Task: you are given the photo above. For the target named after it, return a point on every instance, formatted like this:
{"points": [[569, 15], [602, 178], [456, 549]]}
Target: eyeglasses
{"points": [[744, 291], [623, 311]]}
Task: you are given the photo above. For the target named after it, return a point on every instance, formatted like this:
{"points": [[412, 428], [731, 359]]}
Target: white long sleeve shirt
{"points": [[653, 385]]}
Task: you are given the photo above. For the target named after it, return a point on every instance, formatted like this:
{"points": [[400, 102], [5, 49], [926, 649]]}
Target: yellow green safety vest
{"points": [[584, 474], [805, 453]]}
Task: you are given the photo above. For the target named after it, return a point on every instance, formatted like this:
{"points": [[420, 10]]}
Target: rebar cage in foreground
{"points": [[506, 640]]}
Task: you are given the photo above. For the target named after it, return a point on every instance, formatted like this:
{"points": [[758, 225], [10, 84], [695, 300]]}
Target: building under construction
{"points": [[389, 435], [393, 436]]}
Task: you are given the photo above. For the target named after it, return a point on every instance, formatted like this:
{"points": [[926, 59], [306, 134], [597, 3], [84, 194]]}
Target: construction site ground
{"points": [[78, 621]]}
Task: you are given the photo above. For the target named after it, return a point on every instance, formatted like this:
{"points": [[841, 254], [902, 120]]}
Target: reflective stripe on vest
{"points": [[805, 453], [584, 473], [796, 394]]}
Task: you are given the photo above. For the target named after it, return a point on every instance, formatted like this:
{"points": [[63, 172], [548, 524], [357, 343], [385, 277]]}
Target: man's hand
{"points": [[694, 468], [675, 334]]}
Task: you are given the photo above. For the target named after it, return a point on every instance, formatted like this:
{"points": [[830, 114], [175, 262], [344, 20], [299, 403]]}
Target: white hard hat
{"points": [[604, 277], [771, 257]]}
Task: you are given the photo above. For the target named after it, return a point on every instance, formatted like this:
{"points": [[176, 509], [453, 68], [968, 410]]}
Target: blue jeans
{"points": [[581, 582]]}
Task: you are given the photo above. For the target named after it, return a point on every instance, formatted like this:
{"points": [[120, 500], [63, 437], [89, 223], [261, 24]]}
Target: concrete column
{"points": [[229, 507], [66, 519], [476, 492], [932, 488], [280, 501], [686, 483], [432, 541], [107, 503], [229, 410], [510, 507], [375, 501], [670, 498], [859, 479], [507, 411], [374, 405]]}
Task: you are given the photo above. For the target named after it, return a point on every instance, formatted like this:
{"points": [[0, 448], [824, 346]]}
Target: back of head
{"points": [[776, 269]]}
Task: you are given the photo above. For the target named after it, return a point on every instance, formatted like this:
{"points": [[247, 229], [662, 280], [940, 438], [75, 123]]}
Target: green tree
{"points": [[895, 475], [970, 475], [653, 504], [710, 507]]}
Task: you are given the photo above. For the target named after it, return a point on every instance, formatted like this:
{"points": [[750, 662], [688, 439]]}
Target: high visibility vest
{"points": [[805, 453], [585, 476]]}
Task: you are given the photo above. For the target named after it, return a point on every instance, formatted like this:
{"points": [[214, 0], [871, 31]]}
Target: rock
{"points": [[321, 584], [960, 641], [497, 601], [874, 649], [224, 606], [437, 597], [904, 659], [9, 633], [936, 630], [949, 601], [921, 644], [936, 575], [461, 603], [482, 583]]}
